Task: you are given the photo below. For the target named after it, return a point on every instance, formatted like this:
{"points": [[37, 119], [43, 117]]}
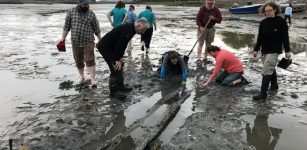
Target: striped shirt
{"points": [[83, 26]]}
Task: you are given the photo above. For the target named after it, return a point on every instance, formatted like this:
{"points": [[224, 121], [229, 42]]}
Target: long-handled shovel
{"points": [[186, 57]]}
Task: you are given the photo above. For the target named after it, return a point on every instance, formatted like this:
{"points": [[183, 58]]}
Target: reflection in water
{"points": [[170, 89], [116, 127], [238, 41], [261, 135]]}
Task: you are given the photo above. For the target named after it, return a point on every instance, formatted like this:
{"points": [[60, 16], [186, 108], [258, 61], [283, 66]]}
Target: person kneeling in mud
{"points": [[231, 65], [173, 65], [112, 47]]}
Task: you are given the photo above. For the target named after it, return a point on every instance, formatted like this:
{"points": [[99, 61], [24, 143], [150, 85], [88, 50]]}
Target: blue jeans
{"points": [[226, 79]]}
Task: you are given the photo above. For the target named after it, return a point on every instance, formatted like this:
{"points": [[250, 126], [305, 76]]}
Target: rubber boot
{"points": [[114, 90], [121, 85], [274, 84], [264, 88], [143, 46]]}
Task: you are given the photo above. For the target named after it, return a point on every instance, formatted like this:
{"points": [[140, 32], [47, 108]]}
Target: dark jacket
{"points": [[272, 36], [203, 16], [114, 43]]}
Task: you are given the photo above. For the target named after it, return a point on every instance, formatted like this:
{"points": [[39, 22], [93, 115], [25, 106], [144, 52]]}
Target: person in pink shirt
{"points": [[231, 65]]}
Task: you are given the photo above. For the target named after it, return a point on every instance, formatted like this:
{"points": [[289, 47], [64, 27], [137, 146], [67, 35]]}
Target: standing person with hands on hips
{"points": [[119, 14], [83, 24], [272, 37], [206, 13]]}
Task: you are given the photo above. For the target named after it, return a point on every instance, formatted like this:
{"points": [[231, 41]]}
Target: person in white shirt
{"points": [[288, 13]]}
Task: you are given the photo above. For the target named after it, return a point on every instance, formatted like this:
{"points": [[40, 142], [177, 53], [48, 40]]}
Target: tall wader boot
{"points": [[274, 84], [266, 79], [120, 82], [114, 88]]}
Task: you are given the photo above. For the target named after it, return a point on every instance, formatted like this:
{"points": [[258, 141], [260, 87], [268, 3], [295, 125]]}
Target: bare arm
{"points": [[154, 23], [125, 19], [110, 19], [64, 35]]}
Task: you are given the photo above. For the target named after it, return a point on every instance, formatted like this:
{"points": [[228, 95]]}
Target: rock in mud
{"points": [[294, 96], [59, 121], [212, 130]]}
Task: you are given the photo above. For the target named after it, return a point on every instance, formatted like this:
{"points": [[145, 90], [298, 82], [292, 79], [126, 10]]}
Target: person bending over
{"points": [[231, 65], [173, 64]]}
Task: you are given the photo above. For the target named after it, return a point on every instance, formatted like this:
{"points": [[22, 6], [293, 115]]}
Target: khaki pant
{"points": [[269, 63], [207, 36], [84, 54]]}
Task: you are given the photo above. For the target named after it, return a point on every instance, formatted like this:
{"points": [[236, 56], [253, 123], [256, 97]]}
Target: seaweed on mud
{"points": [[66, 85]]}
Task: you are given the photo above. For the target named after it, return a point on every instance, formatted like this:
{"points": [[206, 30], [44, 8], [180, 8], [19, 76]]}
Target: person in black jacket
{"points": [[112, 47], [272, 37]]}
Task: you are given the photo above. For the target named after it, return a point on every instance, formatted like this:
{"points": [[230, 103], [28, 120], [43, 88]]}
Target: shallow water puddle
{"points": [[282, 131], [187, 108], [139, 110], [19, 92]]}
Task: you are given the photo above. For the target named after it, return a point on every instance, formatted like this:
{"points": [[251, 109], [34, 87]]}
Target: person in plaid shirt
{"points": [[83, 24]]}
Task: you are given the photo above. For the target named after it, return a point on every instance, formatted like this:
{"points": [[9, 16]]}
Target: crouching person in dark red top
{"points": [[231, 65]]}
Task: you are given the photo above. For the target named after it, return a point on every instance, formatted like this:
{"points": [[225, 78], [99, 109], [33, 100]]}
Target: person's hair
{"points": [[131, 8], [212, 48], [290, 5], [142, 21], [148, 7], [120, 4], [173, 55], [271, 4]]}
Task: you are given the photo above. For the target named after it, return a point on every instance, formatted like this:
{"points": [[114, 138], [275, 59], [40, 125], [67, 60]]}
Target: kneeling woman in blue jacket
{"points": [[173, 64]]}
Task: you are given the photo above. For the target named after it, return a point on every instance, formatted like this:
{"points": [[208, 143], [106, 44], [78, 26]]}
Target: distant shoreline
{"points": [[167, 3]]}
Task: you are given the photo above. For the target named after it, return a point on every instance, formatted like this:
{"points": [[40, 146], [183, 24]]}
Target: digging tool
{"points": [[186, 57]]}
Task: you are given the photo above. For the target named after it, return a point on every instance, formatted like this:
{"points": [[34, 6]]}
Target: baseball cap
{"points": [[85, 1]]}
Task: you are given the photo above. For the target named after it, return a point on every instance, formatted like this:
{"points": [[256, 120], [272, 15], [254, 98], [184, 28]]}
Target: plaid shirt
{"points": [[82, 26]]}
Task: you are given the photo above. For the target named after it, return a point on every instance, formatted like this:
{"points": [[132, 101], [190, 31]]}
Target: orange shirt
{"points": [[227, 61]]}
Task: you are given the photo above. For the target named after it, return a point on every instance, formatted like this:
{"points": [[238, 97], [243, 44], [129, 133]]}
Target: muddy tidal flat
{"points": [[43, 107]]}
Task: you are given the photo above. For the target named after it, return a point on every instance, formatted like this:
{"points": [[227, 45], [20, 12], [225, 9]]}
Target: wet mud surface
{"points": [[43, 105]]}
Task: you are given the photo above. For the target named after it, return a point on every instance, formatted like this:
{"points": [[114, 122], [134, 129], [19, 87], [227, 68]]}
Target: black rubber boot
{"points": [[114, 89], [142, 47], [274, 84], [121, 85], [264, 88]]}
